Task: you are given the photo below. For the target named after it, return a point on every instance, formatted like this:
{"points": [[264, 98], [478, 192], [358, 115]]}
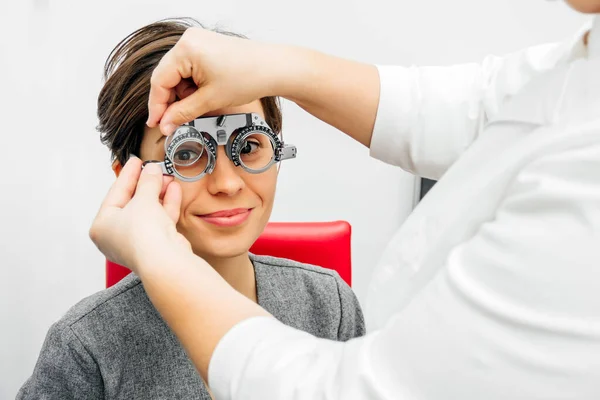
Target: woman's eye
{"points": [[250, 147], [185, 155]]}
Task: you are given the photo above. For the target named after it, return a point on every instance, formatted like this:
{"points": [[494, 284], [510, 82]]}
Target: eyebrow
{"points": [[160, 138]]}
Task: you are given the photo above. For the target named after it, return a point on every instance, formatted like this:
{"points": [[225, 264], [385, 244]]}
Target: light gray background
{"points": [[55, 171]]}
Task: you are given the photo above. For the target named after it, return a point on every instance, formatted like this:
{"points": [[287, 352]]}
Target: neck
{"points": [[238, 271]]}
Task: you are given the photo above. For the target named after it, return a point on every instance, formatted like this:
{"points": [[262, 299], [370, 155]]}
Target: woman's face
{"points": [[224, 212]]}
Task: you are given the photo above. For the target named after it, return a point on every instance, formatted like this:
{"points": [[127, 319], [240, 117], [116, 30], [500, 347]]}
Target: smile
{"points": [[227, 218]]}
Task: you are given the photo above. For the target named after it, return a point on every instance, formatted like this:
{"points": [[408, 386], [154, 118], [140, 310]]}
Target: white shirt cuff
{"points": [[394, 112]]}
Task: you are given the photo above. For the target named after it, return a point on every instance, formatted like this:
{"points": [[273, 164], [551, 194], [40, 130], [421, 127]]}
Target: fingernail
{"points": [[153, 169], [132, 156], [168, 128]]}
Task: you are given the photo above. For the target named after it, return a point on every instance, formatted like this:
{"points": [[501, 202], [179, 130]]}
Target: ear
{"points": [[117, 167]]}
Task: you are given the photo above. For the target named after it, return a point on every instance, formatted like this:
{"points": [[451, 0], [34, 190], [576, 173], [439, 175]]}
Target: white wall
{"points": [[51, 58]]}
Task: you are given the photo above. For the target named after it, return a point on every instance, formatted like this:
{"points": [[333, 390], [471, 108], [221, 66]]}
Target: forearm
{"points": [[426, 116], [342, 93], [196, 303]]}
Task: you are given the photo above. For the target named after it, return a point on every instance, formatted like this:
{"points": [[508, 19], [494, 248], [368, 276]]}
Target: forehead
{"points": [[155, 135]]}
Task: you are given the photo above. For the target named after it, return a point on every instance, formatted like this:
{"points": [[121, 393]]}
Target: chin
{"points": [[210, 252], [221, 247]]}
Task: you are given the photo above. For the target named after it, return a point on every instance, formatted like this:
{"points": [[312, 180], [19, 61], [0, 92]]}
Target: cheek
{"points": [[264, 185], [190, 192]]}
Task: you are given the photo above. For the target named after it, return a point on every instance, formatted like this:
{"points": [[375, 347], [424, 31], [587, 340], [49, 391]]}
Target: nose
{"points": [[224, 179]]}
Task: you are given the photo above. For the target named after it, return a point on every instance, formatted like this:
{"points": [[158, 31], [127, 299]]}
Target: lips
{"points": [[226, 213], [227, 218]]}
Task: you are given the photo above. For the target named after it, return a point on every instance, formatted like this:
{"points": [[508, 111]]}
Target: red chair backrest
{"points": [[326, 244]]}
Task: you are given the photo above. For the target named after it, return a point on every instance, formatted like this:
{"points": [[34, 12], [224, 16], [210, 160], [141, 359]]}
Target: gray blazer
{"points": [[115, 345]]}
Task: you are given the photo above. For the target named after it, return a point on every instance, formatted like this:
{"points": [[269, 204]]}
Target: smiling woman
{"points": [[114, 345], [209, 204]]}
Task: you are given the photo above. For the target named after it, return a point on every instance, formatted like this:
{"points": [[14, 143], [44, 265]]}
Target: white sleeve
{"points": [[428, 116], [513, 314]]}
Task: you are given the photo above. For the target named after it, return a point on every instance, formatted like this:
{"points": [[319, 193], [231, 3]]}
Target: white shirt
{"points": [[491, 288]]}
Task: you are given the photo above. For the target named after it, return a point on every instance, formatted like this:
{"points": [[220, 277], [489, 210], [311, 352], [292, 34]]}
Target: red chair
{"points": [[326, 244]]}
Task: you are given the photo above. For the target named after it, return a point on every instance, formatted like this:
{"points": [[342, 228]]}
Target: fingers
{"points": [[172, 201], [124, 187], [196, 104], [165, 183], [150, 183], [164, 78], [185, 88], [172, 69]]}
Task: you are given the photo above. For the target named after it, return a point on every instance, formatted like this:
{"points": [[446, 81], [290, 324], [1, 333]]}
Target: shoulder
{"points": [[104, 308], [69, 361], [308, 297], [276, 269]]}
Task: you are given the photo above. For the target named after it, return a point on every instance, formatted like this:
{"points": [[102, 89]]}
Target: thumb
{"points": [[193, 106], [150, 182], [172, 201]]}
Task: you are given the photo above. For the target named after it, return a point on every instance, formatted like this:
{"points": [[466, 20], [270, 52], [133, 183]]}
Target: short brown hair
{"points": [[123, 100]]}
